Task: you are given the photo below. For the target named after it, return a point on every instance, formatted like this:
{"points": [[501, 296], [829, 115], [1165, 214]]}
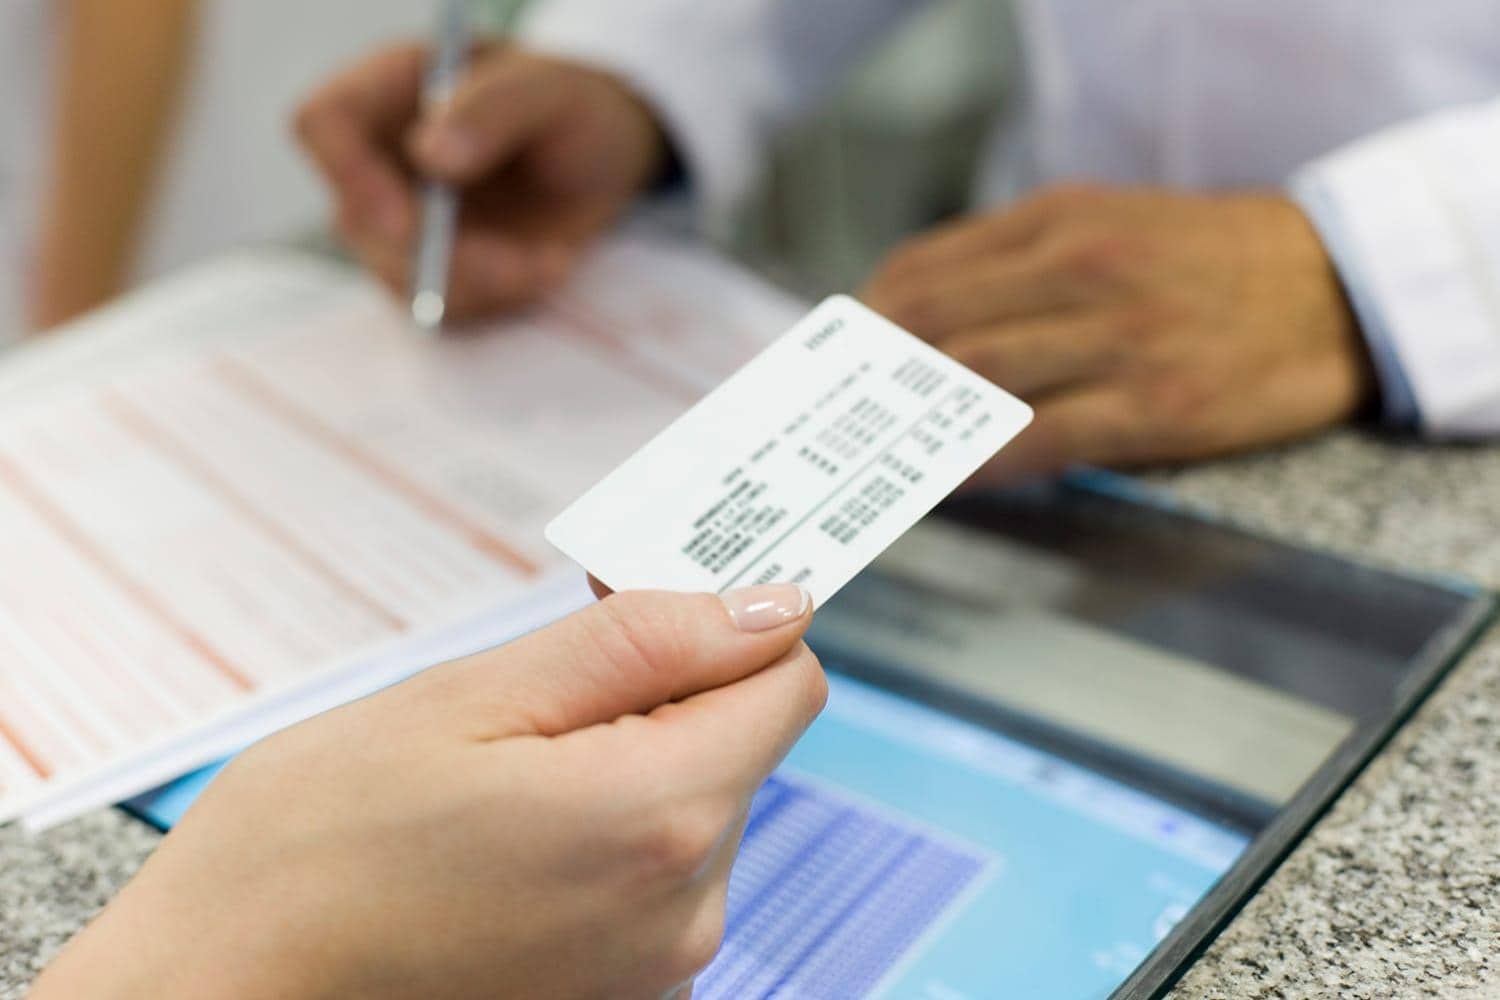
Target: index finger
{"points": [[351, 126], [982, 292], [493, 113], [625, 656], [1092, 424], [1008, 229], [946, 246], [741, 732]]}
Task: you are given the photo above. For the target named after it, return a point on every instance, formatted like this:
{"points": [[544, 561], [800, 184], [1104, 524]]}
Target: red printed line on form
{"points": [[24, 750], [253, 386], [154, 435], [12, 477], [577, 318], [68, 715]]}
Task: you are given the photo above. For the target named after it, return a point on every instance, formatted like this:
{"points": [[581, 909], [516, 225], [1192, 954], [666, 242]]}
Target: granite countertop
{"points": [[1395, 894]]}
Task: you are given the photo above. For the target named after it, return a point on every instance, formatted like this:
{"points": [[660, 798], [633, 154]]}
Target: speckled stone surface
{"points": [[1395, 894]]}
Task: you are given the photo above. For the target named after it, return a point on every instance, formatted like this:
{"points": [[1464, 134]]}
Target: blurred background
{"points": [[138, 136]]}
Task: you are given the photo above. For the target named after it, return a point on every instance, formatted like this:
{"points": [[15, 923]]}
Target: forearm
{"points": [[164, 938], [119, 70]]}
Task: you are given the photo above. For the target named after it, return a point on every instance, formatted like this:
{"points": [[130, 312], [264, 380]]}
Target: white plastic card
{"points": [[803, 466]]}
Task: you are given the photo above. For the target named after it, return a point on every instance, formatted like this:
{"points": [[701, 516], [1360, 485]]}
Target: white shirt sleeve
{"points": [[720, 73], [1411, 217]]}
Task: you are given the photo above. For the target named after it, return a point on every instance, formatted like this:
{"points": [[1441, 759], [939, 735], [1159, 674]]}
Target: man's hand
{"points": [[1144, 326], [546, 154], [553, 818]]}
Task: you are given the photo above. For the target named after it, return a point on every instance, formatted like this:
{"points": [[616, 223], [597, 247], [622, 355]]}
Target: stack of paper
{"points": [[255, 492]]}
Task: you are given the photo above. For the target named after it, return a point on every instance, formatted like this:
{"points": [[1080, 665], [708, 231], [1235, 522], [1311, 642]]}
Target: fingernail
{"points": [[768, 606], [445, 147]]}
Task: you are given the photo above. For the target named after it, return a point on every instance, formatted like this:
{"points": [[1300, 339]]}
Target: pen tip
{"points": [[427, 310]]}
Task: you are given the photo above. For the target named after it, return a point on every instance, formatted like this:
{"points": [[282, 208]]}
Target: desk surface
{"points": [[1395, 894]]}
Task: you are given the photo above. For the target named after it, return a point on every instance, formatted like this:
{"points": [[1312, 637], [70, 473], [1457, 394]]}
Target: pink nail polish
{"points": [[767, 606]]}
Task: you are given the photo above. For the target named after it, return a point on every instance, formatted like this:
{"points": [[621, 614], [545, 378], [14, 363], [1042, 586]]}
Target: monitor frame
{"points": [[1440, 651]]}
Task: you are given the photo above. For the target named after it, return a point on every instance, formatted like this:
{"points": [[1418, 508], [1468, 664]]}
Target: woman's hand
{"points": [[1145, 326], [554, 818], [547, 153]]}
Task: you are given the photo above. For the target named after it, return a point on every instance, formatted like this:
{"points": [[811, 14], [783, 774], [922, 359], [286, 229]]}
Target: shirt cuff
{"points": [[1410, 216], [686, 78], [1398, 404]]}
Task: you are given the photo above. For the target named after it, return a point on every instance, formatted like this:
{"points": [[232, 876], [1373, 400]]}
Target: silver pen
{"points": [[429, 299]]}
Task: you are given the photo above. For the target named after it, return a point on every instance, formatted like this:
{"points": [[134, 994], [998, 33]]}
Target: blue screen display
{"points": [[903, 853]]}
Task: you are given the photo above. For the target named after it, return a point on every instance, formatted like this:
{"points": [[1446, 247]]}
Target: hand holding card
{"points": [[802, 467]]}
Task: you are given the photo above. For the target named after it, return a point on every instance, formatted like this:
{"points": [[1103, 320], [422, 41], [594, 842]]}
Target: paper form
{"points": [[200, 528]]}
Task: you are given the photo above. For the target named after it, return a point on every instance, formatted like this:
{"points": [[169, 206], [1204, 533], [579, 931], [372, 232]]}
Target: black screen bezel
{"points": [[1472, 609]]}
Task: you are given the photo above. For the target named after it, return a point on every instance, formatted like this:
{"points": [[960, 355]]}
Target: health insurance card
{"points": [[802, 467]]}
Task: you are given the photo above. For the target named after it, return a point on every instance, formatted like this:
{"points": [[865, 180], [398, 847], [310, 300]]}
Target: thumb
{"points": [[503, 102], [627, 655]]}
